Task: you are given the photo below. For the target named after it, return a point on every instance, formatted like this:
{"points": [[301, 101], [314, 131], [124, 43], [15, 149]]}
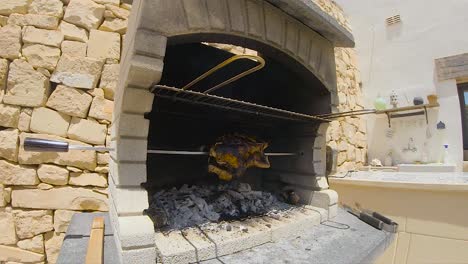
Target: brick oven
{"points": [[166, 48]]}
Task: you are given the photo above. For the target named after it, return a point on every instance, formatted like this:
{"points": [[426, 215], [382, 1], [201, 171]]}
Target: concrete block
{"points": [[158, 16], [314, 182], [294, 224], [228, 242], [135, 255], [332, 211], [324, 198], [128, 201], [127, 174], [275, 22], [137, 101], [320, 152], [150, 43], [130, 125], [197, 15], [327, 69], [304, 45], [136, 231], [321, 183], [173, 248], [129, 149], [144, 71], [139, 256], [195, 245], [237, 15], [292, 36], [217, 12], [204, 247], [315, 54], [256, 23]]}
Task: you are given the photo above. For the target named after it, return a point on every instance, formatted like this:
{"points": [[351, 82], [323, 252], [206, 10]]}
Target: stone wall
{"points": [[59, 62], [347, 137]]}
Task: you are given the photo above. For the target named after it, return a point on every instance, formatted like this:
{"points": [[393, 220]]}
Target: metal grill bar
{"points": [[201, 153], [47, 145], [197, 98]]}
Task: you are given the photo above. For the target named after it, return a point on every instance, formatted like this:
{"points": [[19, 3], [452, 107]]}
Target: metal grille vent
{"points": [[393, 20]]}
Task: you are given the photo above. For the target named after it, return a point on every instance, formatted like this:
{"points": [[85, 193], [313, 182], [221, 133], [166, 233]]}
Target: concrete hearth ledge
{"points": [[207, 242], [328, 242]]}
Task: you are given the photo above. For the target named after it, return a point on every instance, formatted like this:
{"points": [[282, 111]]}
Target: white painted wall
{"points": [[401, 58]]}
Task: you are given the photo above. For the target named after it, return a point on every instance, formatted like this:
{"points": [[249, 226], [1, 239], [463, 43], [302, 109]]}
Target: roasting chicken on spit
{"points": [[233, 154]]}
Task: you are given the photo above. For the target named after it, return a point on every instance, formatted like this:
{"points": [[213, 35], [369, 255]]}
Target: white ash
{"points": [[196, 205]]}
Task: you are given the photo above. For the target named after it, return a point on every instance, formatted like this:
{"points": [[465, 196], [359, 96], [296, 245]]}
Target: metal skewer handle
{"points": [[45, 145], [48, 145]]}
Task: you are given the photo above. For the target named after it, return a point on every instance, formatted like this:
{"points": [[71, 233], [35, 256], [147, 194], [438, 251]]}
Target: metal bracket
{"points": [[390, 116]]}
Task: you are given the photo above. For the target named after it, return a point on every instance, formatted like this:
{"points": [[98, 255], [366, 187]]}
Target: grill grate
{"points": [[197, 98]]}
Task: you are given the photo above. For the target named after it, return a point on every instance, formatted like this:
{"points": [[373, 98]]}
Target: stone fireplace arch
{"points": [[307, 43]]}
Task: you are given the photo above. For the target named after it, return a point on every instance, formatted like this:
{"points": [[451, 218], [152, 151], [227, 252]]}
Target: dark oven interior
{"points": [[176, 125]]}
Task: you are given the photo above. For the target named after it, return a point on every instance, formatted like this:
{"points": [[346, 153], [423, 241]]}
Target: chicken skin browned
{"points": [[233, 154]]}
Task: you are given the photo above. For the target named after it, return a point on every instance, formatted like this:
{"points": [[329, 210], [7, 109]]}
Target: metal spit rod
{"points": [[47, 145]]}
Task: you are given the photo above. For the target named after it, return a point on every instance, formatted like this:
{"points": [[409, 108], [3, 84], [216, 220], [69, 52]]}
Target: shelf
{"points": [[391, 113], [406, 108]]}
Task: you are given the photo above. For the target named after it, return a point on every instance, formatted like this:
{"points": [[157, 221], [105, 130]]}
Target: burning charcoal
{"points": [[185, 189], [196, 217], [244, 187], [235, 195], [212, 216], [200, 205]]}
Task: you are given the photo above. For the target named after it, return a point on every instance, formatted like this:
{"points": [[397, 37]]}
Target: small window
{"points": [[463, 95]]}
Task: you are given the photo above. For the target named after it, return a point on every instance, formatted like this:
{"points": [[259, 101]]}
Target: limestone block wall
{"points": [[346, 136], [59, 64]]}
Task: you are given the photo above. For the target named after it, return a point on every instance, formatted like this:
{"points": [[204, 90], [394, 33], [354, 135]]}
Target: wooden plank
{"points": [[95, 251], [407, 108]]}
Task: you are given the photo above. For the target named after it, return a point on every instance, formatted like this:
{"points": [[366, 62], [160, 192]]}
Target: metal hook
{"points": [[223, 64]]}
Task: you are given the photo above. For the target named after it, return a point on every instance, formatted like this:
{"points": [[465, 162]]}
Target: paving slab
{"points": [[75, 243], [343, 240]]}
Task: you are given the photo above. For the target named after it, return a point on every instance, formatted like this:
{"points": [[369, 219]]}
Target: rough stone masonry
{"points": [[59, 64]]}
